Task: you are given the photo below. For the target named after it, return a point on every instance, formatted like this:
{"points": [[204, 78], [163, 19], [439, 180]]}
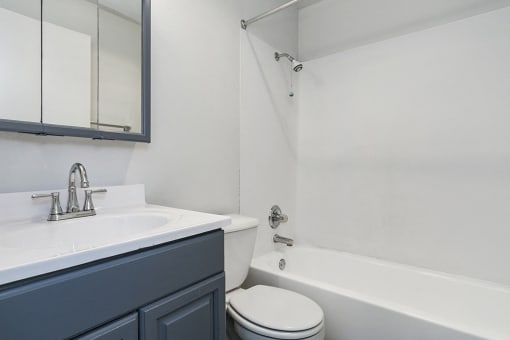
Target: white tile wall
{"points": [[405, 151], [268, 121]]}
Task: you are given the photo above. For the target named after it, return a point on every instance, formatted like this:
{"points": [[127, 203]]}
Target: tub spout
{"points": [[280, 239]]}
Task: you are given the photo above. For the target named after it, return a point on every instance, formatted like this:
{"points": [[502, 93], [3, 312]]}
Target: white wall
{"points": [[280, 30], [268, 120], [405, 150], [330, 26], [193, 161]]}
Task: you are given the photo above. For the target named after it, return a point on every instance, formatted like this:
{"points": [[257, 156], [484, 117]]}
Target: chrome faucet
{"points": [[72, 199], [73, 209], [280, 239], [276, 217]]}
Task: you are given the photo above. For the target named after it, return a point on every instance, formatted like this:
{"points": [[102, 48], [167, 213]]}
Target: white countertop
{"points": [[31, 246]]}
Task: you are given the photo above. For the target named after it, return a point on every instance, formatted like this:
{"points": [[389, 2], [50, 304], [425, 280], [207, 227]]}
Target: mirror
{"points": [[20, 60], [76, 68], [120, 61]]}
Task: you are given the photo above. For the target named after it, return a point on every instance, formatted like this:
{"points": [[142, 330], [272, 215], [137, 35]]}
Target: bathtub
{"points": [[365, 298]]}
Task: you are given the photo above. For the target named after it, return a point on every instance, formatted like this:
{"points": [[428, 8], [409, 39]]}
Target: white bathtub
{"points": [[365, 298]]}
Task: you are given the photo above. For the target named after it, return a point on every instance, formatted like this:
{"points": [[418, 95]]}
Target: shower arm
{"points": [[246, 23], [277, 56]]}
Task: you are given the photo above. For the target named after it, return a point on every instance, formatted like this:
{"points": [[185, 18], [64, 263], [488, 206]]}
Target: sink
{"points": [[30, 245], [79, 234]]}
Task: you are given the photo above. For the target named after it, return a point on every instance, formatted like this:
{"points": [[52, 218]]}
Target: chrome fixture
{"points": [[72, 200], [246, 23], [125, 128], [282, 264], [276, 217], [56, 208], [56, 213], [88, 205], [285, 240], [296, 65], [73, 210]]}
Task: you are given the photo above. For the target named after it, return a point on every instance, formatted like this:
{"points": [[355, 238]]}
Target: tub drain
{"points": [[282, 264]]}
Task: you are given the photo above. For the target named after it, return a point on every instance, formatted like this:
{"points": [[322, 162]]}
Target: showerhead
{"points": [[296, 65]]}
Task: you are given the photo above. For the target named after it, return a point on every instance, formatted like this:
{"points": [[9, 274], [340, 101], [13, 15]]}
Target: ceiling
{"points": [[329, 26]]}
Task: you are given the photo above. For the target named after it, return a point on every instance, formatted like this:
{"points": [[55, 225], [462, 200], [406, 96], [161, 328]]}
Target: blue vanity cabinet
{"points": [[170, 291], [123, 329], [189, 314]]}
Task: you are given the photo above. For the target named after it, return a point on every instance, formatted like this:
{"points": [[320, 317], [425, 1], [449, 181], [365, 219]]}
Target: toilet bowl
{"points": [[263, 312]]}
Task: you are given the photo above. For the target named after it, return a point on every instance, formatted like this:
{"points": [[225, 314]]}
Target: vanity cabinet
{"points": [[171, 291], [181, 313], [123, 329]]}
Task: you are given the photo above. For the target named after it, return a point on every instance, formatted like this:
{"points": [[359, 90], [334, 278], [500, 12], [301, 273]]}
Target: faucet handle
{"points": [[276, 217], [56, 208], [88, 205]]}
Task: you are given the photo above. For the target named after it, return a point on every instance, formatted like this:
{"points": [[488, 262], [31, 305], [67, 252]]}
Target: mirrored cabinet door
{"points": [[76, 68], [120, 60], [20, 60], [69, 64]]}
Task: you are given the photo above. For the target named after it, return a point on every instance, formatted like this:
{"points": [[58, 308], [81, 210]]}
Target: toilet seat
{"points": [[276, 313], [272, 333]]}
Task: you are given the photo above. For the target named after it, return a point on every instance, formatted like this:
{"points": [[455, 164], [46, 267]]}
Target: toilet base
{"points": [[231, 332], [244, 334], [238, 332]]}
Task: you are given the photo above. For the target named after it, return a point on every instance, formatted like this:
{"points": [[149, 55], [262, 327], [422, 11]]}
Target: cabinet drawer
{"points": [[123, 329]]}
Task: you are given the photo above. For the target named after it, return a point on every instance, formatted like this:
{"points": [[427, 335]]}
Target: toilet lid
{"points": [[277, 308]]}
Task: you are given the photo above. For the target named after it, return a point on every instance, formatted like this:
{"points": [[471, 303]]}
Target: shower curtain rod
{"points": [[246, 23]]}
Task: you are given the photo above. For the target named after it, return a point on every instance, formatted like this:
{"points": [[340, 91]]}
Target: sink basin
{"points": [[82, 233], [31, 246]]}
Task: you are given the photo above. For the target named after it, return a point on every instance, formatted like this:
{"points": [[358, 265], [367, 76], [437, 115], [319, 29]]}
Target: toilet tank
{"points": [[240, 238]]}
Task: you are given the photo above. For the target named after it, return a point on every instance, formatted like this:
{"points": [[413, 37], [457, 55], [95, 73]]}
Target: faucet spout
{"points": [[84, 180], [72, 199], [285, 240]]}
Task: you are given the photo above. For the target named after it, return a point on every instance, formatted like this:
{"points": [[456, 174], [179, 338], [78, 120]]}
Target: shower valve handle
{"points": [[276, 217]]}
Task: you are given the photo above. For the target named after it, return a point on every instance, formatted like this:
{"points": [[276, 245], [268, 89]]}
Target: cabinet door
{"points": [[197, 312], [123, 329]]}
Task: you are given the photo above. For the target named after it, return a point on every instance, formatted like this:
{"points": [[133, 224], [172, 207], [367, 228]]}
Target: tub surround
{"points": [[404, 149], [30, 245], [268, 168]]}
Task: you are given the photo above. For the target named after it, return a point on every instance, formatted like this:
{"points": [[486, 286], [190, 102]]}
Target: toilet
{"points": [[262, 312]]}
